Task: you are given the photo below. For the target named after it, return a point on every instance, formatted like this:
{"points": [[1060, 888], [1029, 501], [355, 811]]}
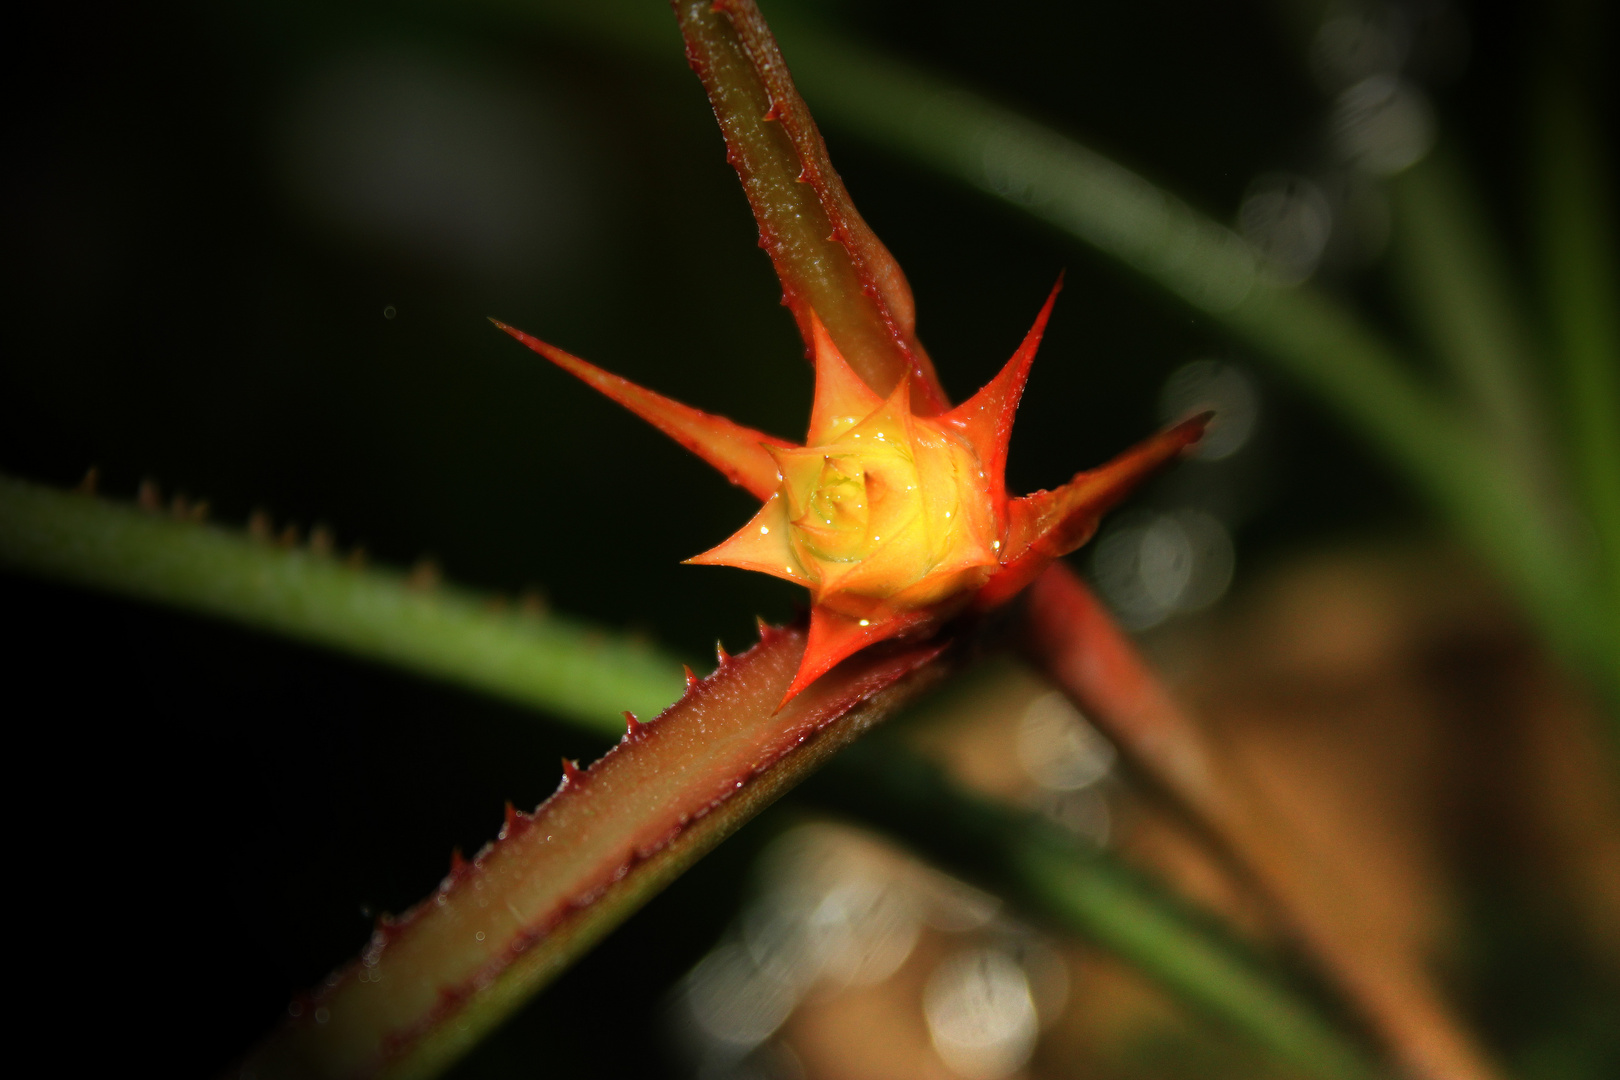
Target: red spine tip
{"points": [[691, 679], [510, 824], [633, 727], [458, 862], [720, 653], [571, 771], [385, 929]]}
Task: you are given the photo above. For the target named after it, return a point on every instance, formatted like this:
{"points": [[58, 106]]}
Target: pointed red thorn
{"points": [[633, 728], [571, 771], [733, 449], [386, 928], [691, 678], [458, 863], [721, 656], [986, 418], [834, 637], [1049, 524], [510, 824]]}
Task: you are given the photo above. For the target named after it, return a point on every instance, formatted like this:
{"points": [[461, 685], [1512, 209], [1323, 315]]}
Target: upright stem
{"points": [[827, 257]]}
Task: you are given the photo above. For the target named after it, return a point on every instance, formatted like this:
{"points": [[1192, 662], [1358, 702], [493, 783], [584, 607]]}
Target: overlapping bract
{"points": [[894, 520]]}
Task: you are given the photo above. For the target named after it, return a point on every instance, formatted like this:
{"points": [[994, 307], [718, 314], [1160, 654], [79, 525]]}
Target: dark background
{"points": [[205, 819]]}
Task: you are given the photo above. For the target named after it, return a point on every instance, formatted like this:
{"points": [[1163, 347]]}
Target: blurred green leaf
{"points": [[587, 677], [1455, 283], [1581, 292]]}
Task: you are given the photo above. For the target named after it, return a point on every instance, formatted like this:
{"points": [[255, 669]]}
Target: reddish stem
{"points": [[501, 925], [828, 258], [1069, 634]]}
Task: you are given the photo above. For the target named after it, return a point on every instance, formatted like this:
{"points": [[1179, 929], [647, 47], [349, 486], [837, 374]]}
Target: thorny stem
{"points": [[91, 542], [826, 256], [1072, 638], [435, 981]]}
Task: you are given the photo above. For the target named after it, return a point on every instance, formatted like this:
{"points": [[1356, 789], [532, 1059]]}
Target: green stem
{"points": [[449, 635], [1081, 890], [565, 668]]}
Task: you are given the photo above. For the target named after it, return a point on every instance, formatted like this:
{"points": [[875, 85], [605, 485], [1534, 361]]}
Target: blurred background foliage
{"points": [[253, 245]]}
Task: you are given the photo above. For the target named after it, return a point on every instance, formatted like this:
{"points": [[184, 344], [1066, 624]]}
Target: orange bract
{"points": [[894, 521]]}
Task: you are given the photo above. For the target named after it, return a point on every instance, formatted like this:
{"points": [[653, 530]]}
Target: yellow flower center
{"points": [[892, 508]]}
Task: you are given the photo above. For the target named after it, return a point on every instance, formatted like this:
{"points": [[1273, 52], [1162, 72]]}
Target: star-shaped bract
{"points": [[894, 520]]}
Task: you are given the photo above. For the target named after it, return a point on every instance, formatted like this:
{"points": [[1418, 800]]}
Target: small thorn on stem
{"points": [[691, 679], [633, 728], [720, 653], [183, 509], [571, 771], [424, 575], [458, 862]]}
